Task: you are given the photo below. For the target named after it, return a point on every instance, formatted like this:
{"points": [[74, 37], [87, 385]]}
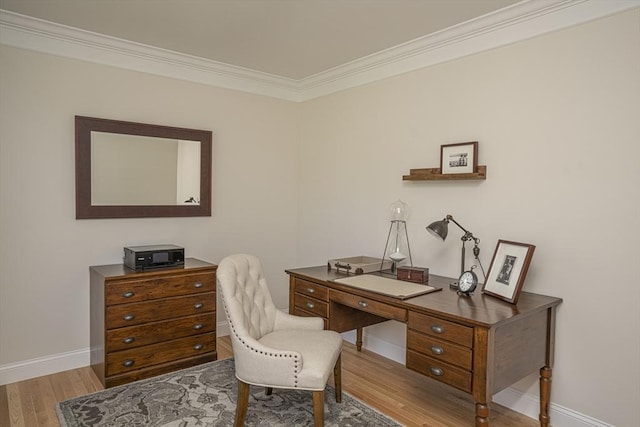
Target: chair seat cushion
{"points": [[319, 349]]}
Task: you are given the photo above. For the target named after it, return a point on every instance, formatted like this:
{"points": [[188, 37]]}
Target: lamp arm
{"points": [[468, 236]]}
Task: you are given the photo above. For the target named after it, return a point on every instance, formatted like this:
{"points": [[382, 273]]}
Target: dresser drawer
{"points": [[121, 315], [155, 354], [445, 351], [374, 307], [439, 370], [442, 329], [151, 333], [312, 289], [127, 291], [320, 308]]}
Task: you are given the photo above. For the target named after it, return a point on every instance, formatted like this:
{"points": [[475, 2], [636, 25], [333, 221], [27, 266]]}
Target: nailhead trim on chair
{"points": [[296, 359]]}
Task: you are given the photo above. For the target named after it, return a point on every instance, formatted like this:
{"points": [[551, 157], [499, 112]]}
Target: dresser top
{"points": [[118, 270]]}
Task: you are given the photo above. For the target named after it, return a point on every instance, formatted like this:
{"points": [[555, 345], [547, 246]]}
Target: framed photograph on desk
{"points": [[508, 270]]}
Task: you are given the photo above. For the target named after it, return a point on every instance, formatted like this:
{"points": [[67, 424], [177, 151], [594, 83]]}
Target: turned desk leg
{"points": [[482, 415], [545, 395], [359, 339]]}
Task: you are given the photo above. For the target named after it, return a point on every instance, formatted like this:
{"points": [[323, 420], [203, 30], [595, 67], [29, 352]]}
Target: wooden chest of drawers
{"points": [[147, 323]]}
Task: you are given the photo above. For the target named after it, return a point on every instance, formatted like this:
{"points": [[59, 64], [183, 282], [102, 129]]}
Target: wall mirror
{"points": [[136, 170]]}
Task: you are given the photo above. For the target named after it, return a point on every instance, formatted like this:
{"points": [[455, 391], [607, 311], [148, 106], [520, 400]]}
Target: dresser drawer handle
{"points": [[363, 304], [128, 340], [129, 317], [198, 285], [437, 329], [198, 347], [198, 326], [436, 349], [128, 363], [436, 371], [311, 290], [310, 305], [128, 294], [198, 306]]}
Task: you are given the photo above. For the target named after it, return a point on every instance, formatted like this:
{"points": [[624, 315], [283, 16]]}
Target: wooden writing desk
{"points": [[479, 344]]}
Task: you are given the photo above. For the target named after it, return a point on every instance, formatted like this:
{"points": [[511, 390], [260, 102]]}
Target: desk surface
{"points": [[478, 309]]}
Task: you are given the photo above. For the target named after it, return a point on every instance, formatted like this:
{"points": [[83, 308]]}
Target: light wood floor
{"points": [[408, 397]]}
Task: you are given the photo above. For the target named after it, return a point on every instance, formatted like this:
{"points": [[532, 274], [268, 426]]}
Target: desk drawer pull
{"points": [[363, 304], [436, 349], [198, 306], [128, 294], [198, 326], [128, 340], [310, 305], [198, 285], [129, 317], [128, 363], [437, 329], [311, 290], [436, 371], [198, 347]]}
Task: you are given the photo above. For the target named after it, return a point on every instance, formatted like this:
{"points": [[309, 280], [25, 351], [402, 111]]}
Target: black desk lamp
{"points": [[441, 228]]}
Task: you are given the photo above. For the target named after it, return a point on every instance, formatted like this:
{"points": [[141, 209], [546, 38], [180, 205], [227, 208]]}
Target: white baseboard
{"points": [[40, 366], [529, 405], [20, 371], [511, 398]]}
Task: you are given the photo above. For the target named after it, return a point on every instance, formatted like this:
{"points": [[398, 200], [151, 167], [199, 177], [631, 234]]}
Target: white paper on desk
{"points": [[383, 285]]}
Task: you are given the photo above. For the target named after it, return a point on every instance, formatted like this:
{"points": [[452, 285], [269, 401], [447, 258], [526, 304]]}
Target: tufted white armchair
{"points": [[272, 348]]}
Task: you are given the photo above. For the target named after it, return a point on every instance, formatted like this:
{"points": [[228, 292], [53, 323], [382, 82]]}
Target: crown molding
{"points": [[521, 21]]}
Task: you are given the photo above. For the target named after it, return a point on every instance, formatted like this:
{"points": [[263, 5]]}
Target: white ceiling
{"points": [[288, 38]]}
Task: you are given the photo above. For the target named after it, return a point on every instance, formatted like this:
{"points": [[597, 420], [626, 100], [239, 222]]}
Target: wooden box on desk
{"points": [[413, 274]]}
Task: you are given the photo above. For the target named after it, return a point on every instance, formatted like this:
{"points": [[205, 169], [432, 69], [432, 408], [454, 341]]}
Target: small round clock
{"points": [[467, 283]]}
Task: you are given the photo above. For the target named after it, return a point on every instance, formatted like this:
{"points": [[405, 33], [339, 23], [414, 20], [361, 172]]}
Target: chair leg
{"points": [[243, 402], [337, 378], [318, 408]]}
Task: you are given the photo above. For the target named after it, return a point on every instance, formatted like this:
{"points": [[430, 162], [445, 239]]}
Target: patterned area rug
{"points": [[205, 395]]}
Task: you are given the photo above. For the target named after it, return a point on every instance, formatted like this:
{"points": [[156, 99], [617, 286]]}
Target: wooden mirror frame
{"points": [[85, 210]]}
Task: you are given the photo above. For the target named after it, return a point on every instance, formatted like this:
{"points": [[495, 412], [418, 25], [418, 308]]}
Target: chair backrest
{"points": [[247, 301]]}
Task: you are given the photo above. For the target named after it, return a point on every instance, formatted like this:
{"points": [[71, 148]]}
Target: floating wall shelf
{"points": [[433, 174]]}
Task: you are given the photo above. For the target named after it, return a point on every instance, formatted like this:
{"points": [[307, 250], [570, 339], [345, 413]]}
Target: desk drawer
{"points": [[439, 370], [370, 306], [319, 308], [442, 329], [121, 315], [312, 289], [440, 350]]}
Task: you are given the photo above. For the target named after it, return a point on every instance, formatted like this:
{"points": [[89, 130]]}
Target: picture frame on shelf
{"points": [[508, 270], [459, 158]]}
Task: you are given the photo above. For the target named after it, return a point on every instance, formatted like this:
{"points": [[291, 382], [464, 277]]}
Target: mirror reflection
{"points": [[123, 172]]}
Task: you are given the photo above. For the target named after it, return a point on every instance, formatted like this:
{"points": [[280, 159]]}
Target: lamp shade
{"points": [[439, 228]]}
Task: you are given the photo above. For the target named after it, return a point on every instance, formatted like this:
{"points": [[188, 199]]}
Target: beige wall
{"points": [[45, 253], [557, 120], [556, 117]]}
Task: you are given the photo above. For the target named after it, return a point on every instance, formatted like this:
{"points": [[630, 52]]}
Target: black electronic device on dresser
{"points": [[153, 256]]}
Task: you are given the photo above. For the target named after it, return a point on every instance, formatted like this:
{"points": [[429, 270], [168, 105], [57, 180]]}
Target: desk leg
{"points": [[482, 415], [545, 395], [359, 339]]}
